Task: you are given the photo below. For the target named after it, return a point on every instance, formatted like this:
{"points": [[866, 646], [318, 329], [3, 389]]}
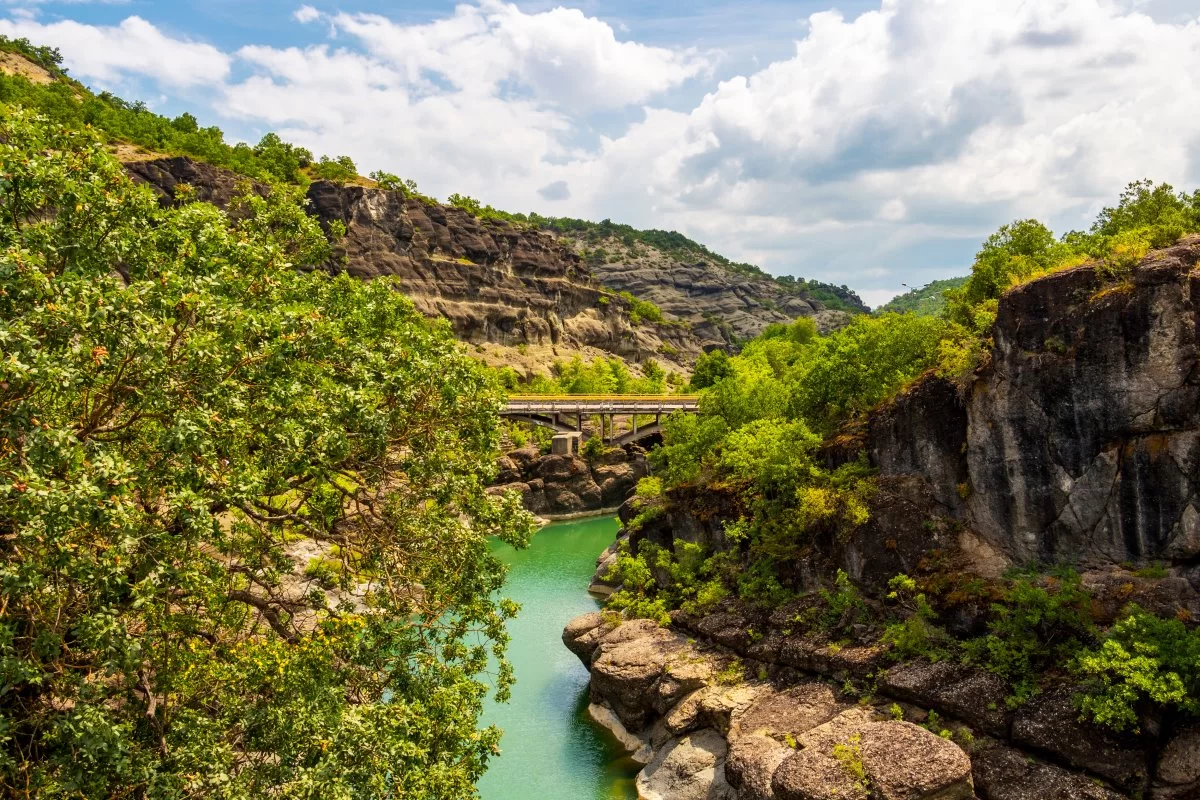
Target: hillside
{"points": [[928, 301], [505, 281]]}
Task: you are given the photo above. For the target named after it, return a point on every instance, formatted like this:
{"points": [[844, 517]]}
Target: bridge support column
{"points": [[635, 425]]}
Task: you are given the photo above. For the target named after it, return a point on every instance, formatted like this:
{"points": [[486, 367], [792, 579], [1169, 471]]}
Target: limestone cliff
{"points": [[723, 304], [515, 286]]}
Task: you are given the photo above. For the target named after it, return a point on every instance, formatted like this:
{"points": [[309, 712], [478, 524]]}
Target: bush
{"points": [[1144, 661], [337, 170], [1033, 628]]}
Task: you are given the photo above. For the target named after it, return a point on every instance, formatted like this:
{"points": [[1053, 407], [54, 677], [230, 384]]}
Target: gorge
{"points": [[265, 532]]}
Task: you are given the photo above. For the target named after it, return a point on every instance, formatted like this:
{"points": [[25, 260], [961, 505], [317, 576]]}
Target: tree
{"points": [[282, 159], [339, 170], [711, 368], [185, 418]]}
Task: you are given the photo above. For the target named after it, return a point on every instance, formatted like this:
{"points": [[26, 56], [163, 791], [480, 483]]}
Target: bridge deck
{"points": [[600, 404]]}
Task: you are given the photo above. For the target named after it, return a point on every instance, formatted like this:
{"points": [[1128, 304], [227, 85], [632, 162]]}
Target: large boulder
{"points": [[855, 757], [583, 634], [1004, 773], [1050, 723], [627, 666], [690, 768]]}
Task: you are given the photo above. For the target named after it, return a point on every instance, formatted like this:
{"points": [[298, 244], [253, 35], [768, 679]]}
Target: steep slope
{"points": [[928, 301], [495, 282]]}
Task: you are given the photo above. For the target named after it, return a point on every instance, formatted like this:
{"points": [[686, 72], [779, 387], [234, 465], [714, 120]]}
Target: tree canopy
{"points": [[187, 422]]}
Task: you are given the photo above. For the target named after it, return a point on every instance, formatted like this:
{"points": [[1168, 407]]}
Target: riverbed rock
{"points": [[1005, 773], [751, 763], [854, 756], [583, 634], [689, 768], [628, 664], [1050, 723], [1178, 773], [974, 696]]}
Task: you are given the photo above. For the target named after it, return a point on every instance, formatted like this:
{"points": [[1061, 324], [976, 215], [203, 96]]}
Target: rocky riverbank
{"points": [[564, 487], [714, 710], [1076, 442]]}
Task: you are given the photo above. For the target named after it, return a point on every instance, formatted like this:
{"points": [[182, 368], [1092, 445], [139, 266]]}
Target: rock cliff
{"points": [[723, 305], [515, 286], [1077, 441]]}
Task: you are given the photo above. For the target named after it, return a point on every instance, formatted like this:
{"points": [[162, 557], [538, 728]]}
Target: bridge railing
{"points": [[601, 404]]}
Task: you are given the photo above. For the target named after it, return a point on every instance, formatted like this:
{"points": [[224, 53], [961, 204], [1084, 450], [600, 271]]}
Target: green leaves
{"points": [[186, 421], [1143, 661]]}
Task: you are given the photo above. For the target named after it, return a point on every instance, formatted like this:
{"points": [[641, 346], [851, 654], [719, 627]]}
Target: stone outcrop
{"points": [[562, 485], [722, 305], [705, 732], [510, 285]]}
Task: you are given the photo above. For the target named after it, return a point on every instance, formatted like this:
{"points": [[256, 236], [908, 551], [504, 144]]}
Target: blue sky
{"points": [[868, 143]]}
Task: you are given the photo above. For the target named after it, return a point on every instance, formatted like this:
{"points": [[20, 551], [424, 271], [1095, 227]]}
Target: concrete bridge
{"points": [[565, 413]]}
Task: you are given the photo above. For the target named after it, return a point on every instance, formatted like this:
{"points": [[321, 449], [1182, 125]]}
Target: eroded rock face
{"points": [[712, 739], [560, 485], [1004, 773], [1084, 437]]}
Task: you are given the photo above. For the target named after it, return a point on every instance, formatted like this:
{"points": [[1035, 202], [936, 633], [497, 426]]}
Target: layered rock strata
{"points": [[557, 486]]}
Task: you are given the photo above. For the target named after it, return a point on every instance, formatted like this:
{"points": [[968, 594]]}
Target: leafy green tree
{"points": [[339, 170], [185, 419], [281, 159], [710, 369]]}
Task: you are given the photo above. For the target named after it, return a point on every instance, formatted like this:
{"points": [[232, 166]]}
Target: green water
{"points": [[550, 748]]}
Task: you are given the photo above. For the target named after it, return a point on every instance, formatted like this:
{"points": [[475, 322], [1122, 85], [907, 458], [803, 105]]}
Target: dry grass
{"points": [[13, 64]]}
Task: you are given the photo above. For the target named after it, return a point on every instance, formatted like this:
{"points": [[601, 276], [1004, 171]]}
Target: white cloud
{"points": [[306, 14], [135, 47], [895, 140]]}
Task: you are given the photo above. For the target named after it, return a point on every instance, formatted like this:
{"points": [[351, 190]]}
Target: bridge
{"points": [[565, 413]]}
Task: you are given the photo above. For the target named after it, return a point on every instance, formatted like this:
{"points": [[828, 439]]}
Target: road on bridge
{"points": [[548, 411]]}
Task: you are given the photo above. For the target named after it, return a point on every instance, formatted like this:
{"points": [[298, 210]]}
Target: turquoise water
{"points": [[550, 748]]}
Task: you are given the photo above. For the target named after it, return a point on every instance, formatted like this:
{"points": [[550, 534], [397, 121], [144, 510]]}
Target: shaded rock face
{"points": [[1080, 441], [1084, 436], [559, 485], [209, 184], [495, 282]]}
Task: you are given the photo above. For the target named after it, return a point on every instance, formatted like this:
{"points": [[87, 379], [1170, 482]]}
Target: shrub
{"points": [[337, 170], [1144, 660]]}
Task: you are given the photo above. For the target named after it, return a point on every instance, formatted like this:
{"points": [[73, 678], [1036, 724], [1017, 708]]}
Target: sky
{"points": [[874, 144]]}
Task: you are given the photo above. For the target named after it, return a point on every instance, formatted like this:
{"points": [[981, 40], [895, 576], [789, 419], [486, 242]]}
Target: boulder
{"points": [[975, 696], [751, 763], [582, 635], [1004, 773], [689, 768], [1050, 723], [853, 756], [1178, 771], [793, 711], [627, 666]]}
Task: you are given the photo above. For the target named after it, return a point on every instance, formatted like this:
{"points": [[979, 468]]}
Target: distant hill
{"points": [[928, 301]]}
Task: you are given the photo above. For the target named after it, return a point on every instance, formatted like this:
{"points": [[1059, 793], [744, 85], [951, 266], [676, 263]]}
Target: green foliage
{"points": [[1144, 660], [861, 365], [849, 755], [598, 376], [179, 407], [710, 369], [339, 170], [593, 448], [917, 634], [1148, 215], [640, 310], [1033, 628], [843, 605], [48, 58], [649, 488], [928, 301]]}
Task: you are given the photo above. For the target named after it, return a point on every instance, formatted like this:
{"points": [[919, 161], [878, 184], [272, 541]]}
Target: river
{"points": [[550, 748]]}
